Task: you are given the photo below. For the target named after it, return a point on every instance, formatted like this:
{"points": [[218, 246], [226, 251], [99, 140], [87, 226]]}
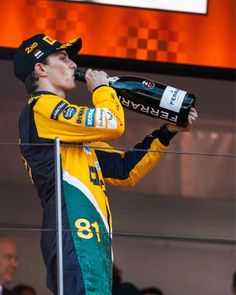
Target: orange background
{"points": [[108, 31]]}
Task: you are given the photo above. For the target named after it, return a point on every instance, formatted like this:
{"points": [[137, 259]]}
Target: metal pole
{"points": [[59, 218]]}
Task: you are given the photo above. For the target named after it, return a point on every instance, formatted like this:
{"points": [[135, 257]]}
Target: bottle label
{"points": [[112, 80], [172, 99], [148, 84]]}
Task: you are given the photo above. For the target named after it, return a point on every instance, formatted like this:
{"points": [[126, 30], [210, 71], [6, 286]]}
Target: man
{"points": [[46, 67], [8, 263]]}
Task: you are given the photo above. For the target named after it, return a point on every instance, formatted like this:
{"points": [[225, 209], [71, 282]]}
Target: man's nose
{"points": [[73, 65]]}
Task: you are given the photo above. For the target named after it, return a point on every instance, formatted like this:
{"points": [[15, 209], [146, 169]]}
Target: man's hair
{"points": [[154, 291], [4, 237], [31, 81], [18, 290], [116, 274]]}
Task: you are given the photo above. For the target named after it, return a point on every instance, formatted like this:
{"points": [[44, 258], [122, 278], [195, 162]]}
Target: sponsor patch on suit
{"points": [[111, 119], [100, 118], [69, 112], [87, 150], [80, 115], [58, 109], [90, 118]]}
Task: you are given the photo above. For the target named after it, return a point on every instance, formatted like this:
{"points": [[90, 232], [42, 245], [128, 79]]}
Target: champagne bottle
{"points": [[151, 98]]}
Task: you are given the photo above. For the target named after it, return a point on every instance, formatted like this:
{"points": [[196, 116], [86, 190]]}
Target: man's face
{"points": [[8, 260], [60, 70]]}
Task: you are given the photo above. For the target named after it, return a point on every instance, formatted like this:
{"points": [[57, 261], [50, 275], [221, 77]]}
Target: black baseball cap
{"points": [[36, 49]]}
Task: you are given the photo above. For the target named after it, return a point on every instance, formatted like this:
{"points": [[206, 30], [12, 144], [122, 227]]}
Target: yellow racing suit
{"points": [[87, 164]]}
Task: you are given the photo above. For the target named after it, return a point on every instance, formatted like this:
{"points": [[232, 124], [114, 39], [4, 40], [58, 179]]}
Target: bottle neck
{"points": [[80, 76]]}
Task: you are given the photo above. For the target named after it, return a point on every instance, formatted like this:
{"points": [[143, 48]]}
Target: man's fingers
{"points": [[192, 114], [192, 117]]}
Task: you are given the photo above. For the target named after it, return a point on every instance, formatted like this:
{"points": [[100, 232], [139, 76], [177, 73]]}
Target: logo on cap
{"points": [[31, 47], [49, 40], [38, 53], [69, 43]]}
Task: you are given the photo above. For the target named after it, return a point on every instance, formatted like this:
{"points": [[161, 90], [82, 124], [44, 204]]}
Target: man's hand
{"points": [[95, 79], [191, 118]]}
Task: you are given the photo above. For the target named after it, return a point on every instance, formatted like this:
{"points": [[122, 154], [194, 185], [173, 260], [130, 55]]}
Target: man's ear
{"points": [[40, 69]]}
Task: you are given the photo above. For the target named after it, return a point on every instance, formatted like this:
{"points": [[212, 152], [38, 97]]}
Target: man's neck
{"points": [[51, 89]]}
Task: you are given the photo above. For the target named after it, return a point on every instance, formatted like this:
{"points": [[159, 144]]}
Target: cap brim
{"points": [[72, 47]]}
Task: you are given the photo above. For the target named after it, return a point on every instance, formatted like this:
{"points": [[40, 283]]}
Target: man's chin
{"points": [[71, 87], [8, 280]]}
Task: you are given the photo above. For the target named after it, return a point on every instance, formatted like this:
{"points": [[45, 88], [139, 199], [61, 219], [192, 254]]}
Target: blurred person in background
{"points": [[122, 288], [234, 283], [8, 263]]}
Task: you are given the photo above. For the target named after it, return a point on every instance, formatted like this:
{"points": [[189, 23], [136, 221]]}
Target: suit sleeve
{"points": [[127, 168], [56, 117]]}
